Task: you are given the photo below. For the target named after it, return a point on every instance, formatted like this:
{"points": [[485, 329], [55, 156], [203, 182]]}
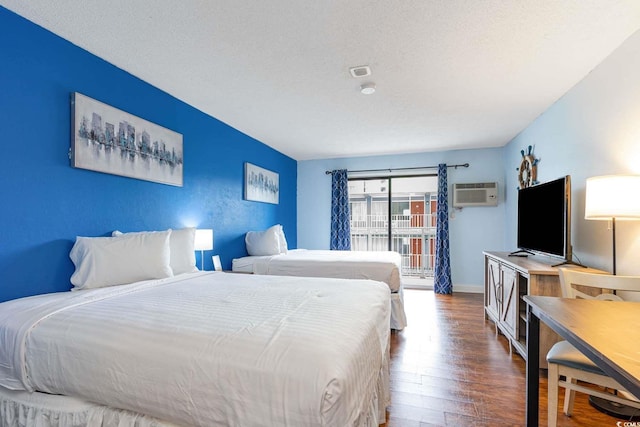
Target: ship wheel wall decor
{"points": [[528, 170]]}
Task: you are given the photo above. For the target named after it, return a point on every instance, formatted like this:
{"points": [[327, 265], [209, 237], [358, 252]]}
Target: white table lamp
{"points": [[612, 197], [203, 242]]}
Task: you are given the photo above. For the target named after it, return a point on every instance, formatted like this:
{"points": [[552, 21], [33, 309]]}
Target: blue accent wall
{"points": [[46, 202]]}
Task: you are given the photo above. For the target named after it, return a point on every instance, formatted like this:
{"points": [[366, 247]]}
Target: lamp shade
{"points": [[204, 239], [612, 196]]}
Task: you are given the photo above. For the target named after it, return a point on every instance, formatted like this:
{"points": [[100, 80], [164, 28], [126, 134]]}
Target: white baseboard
{"points": [[428, 285], [469, 289]]}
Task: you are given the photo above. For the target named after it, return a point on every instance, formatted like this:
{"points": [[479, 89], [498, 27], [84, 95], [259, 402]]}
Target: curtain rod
{"points": [[464, 165]]}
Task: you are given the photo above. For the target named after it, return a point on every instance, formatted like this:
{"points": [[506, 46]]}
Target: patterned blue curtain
{"points": [[442, 271], [340, 212]]}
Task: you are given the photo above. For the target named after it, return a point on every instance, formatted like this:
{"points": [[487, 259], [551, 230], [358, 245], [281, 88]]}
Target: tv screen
{"points": [[544, 215]]}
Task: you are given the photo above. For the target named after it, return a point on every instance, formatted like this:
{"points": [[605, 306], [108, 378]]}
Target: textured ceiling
{"points": [[450, 74]]}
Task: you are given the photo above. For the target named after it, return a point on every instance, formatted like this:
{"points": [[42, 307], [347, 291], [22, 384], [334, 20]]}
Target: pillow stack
{"points": [[132, 257], [268, 242]]}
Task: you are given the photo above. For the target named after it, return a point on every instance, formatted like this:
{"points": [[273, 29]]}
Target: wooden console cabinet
{"points": [[506, 280]]}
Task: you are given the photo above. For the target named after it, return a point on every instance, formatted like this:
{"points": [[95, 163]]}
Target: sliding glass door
{"points": [[398, 214]]}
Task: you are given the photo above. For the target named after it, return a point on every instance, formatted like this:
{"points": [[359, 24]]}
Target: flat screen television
{"points": [[544, 218]]}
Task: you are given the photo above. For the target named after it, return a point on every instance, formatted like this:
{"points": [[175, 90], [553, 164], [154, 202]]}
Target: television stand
{"points": [[506, 280]]}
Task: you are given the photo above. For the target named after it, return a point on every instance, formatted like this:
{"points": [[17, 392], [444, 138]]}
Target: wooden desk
{"points": [[606, 332]]}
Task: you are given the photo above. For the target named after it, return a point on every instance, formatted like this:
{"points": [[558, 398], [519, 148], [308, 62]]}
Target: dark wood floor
{"points": [[448, 368]]}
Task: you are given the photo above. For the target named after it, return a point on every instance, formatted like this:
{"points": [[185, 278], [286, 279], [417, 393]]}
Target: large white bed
{"points": [[383, 266], [198, 349]]}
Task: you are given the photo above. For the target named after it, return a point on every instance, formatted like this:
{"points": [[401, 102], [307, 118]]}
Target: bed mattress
{"points": [[208, 349], [383, 266]]}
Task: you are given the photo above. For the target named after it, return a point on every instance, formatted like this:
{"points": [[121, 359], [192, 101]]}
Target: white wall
{"points": [[472, 230], [592, 130]]}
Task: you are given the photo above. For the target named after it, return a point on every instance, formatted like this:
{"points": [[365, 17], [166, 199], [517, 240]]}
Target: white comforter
{"points": [[207, 349], [383, 266]]}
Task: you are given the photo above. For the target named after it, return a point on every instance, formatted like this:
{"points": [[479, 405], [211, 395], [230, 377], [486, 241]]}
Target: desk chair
{"points": [[565, 360]]}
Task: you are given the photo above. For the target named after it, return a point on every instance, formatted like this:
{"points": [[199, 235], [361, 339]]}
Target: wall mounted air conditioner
{"points": [[477, 194]]}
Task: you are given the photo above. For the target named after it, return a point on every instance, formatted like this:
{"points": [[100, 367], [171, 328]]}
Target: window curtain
{"points": [[340, 212], [442, 271]]}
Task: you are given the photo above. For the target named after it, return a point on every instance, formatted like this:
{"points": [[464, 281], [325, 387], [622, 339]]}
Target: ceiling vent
{"points": [[361, 71]]}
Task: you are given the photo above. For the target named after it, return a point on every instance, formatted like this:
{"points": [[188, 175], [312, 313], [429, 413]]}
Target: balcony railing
{"points": [[413, 236]]}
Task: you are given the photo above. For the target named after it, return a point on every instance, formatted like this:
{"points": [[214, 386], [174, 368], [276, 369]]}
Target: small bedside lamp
{"points": [[203, 242], [612, 197]]}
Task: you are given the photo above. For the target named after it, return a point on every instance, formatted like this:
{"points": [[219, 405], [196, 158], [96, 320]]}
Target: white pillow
{"points": [[182, 256], [265, 242], [283, 241], [108, 261]]}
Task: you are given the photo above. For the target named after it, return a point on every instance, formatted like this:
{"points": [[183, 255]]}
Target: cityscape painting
{"points": [[261, 185], [112, 141]]}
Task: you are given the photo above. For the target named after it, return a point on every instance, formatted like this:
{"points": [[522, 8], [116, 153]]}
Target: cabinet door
{"points": [[492, 288], [510, 298]]}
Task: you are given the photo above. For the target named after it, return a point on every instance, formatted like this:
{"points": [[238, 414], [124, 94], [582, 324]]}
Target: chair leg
{"points": [[552, 395], [569, 397]]}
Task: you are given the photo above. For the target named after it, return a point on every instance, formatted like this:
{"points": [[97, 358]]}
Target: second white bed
{"points": [[382, 266]]}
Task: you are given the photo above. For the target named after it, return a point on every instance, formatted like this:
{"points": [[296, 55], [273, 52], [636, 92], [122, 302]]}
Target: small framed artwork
{"points": [[261, 185], [106, 139], [217, 265]]}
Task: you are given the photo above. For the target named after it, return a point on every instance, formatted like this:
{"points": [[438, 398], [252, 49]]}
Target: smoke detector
{"points": [[367, 88], [360, 71]]}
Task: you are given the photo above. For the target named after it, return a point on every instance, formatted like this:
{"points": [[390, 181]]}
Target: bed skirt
{"points": [[24, 409], [398, 316]]}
